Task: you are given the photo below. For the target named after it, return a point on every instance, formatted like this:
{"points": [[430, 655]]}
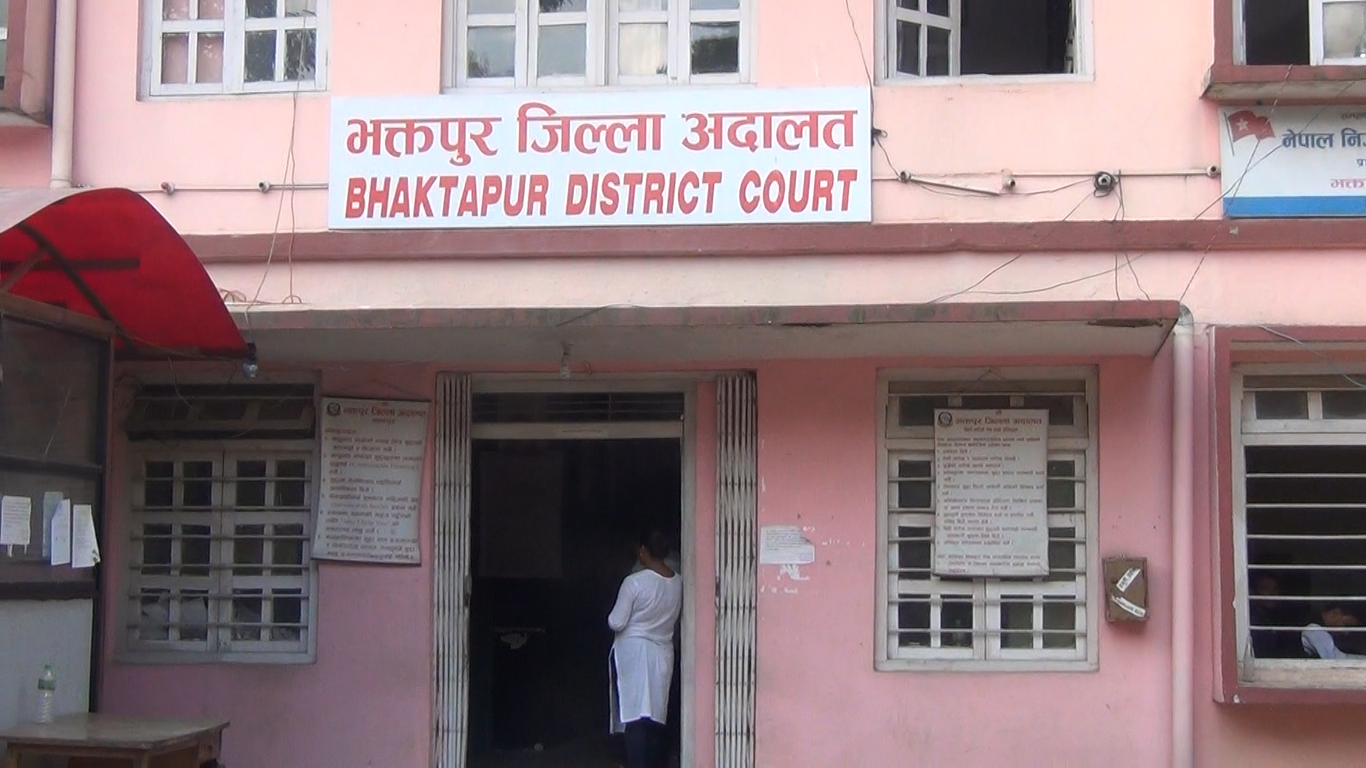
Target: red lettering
{"points": [[493, 192], [654, 193], [399, 206], [469, 197], [379, 197], [847, 177], [687, 203], [422, 204], [773, 191], [355, 198], [748, 203], [576, 195], [448, 184], [633, 181], [540, 184], [711, 179], [825, 182], [611, 193], [514, 197]]}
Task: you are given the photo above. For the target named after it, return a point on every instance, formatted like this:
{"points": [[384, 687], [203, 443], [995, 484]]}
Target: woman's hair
{"points": [[656, 543]]}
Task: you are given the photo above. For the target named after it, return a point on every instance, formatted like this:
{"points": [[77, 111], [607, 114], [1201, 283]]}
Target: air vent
{"points": [[577, 407], [222, 412]]}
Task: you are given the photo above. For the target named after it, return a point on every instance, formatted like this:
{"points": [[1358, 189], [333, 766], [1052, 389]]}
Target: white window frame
{"points": [[1246, 430], [888, 12], [1316, 55], [985, 590], [220, 646], [603, 18], [233, 26]]}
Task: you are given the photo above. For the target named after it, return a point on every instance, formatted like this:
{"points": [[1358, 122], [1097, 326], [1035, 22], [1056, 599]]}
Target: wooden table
{"points": [[109, 741]]}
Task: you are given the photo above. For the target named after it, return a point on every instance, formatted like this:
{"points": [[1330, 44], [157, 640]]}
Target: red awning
{"points": [[109, 254]]}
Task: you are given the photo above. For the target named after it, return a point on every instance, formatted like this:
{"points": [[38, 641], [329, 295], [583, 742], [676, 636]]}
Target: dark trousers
{"points": [[646, 745]]}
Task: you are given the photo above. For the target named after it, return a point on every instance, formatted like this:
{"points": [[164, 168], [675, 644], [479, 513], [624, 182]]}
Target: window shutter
{"points": [[736, 569], [451, 595]]}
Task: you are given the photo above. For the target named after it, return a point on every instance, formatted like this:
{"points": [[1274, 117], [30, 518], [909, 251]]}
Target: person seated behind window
{"points": [[1278, 620], [1318, 640]]}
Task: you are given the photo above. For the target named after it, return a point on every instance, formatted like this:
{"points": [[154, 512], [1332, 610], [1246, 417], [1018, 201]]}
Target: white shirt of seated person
{"points": [[1318, 642]]}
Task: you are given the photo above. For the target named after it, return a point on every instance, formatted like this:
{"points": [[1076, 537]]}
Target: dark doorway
{"points": [[552, 527]]}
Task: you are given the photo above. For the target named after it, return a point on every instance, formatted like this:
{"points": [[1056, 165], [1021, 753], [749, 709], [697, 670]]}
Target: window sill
{"points": [[280, 93], [974, 81], [153, 658], [981, 666], [1239, 83], [1299, 682]]}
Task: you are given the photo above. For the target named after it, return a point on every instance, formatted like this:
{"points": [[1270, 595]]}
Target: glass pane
{"points": [[248, 549], [563, 6], [918, 410], [208, 63], [301, 7], [175, 59], [716, 5], [910, 5], [1061, 408], [955, 621], [491, 52], [563, 50], [251, 493], [224, 409], [1281, 405], [195, 548], [288, 548], [210, 9], [175, 10], [1060, 616], [1017, 613], [913, 615], [260, 59], [260, 9], [286, 610], [290, 493], [156, 550], [154, 615], [159, 493], [1062, 494], [986, 402], [628, 6], [937, 7], [914, 554], [1344, 405], [913, 493], [1344, 30], [644, 49], [492, 6], [246, 609], [194, 616], [301, 54], [715, 49], [197, 484], [907, 48], [1062, 555]]}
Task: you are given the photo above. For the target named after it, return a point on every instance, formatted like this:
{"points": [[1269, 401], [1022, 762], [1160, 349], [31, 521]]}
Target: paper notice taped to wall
{"points": [[785, 545]]}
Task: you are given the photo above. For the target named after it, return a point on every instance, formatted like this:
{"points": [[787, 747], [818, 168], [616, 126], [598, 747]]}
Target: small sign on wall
{"points": [[1126, 589]]}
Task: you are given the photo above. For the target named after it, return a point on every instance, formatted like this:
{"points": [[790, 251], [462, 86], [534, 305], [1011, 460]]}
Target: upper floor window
{"points": [[539, 43], [934, 619], [235, 46], [1315, 32], [951, 38], [4, 40]]}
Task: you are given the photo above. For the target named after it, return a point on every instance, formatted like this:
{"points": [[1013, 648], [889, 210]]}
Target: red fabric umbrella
{"points": [[109, 254]]}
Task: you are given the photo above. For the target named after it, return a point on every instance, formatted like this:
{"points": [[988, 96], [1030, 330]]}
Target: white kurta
{"points": [[642, 660]]}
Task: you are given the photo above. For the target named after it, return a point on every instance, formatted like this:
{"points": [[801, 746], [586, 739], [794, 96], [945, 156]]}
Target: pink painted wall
{"points": [[366, 702], [1133, 112], [820, 700]]}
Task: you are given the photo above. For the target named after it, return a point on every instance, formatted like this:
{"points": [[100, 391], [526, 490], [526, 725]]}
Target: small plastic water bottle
{"points": [[47, 692]]}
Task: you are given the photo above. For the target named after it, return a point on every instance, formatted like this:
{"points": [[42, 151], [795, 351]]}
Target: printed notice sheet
{"points": [[991, 485], [785, 545], [16, 518], [372, 452]]}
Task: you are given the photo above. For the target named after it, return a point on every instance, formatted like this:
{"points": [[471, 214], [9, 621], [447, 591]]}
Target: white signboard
{"points": [[1293, 161], [372, 452], [991, 485], [601, 158]]}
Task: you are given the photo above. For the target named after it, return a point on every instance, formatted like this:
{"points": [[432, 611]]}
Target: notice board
{"points": [[991, 489], [372, 453]]}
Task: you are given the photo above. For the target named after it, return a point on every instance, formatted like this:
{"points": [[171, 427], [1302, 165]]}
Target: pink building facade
{"points": [[1037, 223]]}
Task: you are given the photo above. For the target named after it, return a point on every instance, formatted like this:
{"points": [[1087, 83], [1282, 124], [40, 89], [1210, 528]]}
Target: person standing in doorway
{"points": [[642, 660]]}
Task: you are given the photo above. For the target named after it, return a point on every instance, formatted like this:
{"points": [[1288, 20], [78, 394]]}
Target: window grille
{"points": [[931, 618]]}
